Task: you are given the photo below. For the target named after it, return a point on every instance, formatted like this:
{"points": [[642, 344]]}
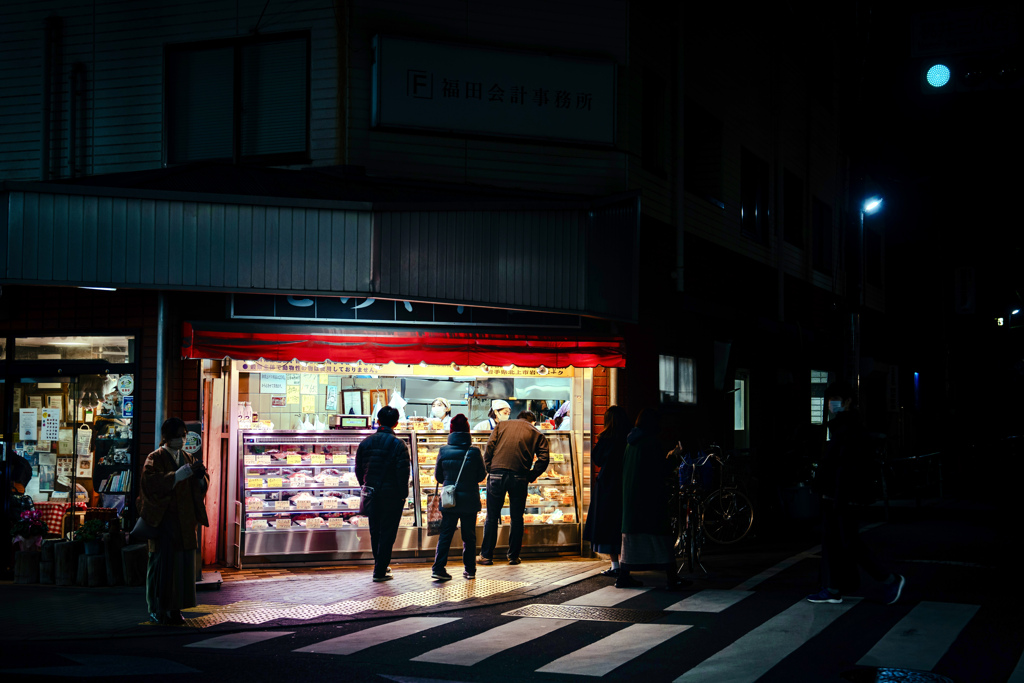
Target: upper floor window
{"points": [[819, 380], [677, 379], [753, 196], [238, 100]]}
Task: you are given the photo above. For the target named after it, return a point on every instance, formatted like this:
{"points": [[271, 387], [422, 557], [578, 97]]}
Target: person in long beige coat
{"points": [[173, 488]]}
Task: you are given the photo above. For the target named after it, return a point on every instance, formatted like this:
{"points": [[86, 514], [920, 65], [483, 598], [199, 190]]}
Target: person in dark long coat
{"points": [[604, 518], [459, 463], [646, 524]]}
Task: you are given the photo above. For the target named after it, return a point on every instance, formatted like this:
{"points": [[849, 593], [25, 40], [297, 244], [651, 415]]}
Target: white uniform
{"points": [[485, 426]]}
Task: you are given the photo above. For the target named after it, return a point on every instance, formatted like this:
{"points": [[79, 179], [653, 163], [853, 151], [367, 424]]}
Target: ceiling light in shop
{"points": [[508, 367], [483, 367]]}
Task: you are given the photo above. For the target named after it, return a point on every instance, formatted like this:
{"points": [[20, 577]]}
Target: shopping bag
{"points": [[433, 513]]}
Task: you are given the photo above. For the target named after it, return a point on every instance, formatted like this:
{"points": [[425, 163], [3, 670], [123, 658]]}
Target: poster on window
{"points": [[66, 442], [332, 399], [27, 424], [51, 424], [64, 469]]}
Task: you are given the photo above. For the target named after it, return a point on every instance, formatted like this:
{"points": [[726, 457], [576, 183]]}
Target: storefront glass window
{"points": [[117, 349]]}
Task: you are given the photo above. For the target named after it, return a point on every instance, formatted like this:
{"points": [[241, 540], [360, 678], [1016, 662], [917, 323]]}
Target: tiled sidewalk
{"points": [[279, 597]]}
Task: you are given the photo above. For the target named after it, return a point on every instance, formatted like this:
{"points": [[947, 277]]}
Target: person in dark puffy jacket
{"points": [[461, 464], [383, 463], [842, 476]]}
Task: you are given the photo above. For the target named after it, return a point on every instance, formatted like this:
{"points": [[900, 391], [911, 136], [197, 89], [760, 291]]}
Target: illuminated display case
{"points": [[300, 494], [552, 512]]}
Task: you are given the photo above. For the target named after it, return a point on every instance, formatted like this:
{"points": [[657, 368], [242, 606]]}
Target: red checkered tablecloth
{"points": [[53, 514]]}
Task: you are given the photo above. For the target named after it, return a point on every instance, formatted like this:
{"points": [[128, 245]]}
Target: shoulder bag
{"points": [[448, 492]]}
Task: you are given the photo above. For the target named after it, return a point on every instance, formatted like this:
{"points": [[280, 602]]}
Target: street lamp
{"points": [[867, 207]]}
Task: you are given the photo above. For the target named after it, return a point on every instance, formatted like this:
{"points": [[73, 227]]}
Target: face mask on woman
{"points": [[438, 411], [175, 444]]}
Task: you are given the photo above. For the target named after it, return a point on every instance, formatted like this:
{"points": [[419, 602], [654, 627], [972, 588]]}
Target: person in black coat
{"points": [[462, 464], [604, 518], [842, 477], [383, 464]]}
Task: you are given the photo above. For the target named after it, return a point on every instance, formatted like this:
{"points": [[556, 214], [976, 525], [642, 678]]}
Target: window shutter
{"points": [[199, 104], [274, 97]]}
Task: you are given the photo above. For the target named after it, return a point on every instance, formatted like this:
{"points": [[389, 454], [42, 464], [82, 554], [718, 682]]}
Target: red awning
{"points": [[220, 340]]}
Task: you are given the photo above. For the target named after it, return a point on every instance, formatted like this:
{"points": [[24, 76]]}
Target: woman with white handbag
{"points": [[460, 469]]}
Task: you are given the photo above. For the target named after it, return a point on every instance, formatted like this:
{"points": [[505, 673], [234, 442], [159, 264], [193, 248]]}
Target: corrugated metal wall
{"points": [[83, 239], [575, 259]]}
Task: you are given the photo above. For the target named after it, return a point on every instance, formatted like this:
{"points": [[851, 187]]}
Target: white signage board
{"points": [[464, 89], [272, 383]]}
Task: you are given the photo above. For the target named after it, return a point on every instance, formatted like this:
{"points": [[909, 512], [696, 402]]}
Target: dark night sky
{"points": [[949, 164]]}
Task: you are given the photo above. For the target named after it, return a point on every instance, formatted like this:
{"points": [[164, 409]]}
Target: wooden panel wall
{"points": [[121, 45]]}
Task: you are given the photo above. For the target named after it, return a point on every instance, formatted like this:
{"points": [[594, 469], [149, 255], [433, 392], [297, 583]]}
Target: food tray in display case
{"points": [[552, 512], [300, 495]]}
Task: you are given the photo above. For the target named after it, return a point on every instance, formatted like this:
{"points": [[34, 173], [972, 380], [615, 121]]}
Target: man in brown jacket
{"points": [[509, 461]]}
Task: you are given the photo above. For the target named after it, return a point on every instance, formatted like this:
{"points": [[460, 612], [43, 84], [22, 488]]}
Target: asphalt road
{"points": [[746, 621]]}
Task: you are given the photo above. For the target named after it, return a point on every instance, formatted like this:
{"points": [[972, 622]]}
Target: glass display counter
{"points": [[300, 497], [300, 494]]}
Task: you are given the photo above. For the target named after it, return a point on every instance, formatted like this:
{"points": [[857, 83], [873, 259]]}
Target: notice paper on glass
{"points": [[51, 424], [332, 399], [66, 442], [27, 428], [84, 441]]}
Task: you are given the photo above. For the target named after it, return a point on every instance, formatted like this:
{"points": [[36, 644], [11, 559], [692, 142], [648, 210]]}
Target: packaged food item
{"points": [[555, 517], [481, 517]]}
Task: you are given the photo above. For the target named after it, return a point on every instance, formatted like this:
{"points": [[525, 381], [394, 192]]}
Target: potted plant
{"points": [[28, 530], [91, 532]]}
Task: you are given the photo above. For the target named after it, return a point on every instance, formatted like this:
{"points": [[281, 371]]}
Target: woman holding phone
{"points": [[173, 489]]}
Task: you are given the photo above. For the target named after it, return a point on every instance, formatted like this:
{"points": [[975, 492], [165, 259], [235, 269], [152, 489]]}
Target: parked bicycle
{"points": [[724, 516]]}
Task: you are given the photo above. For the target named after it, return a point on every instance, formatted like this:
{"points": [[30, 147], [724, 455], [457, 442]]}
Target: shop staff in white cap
{"points": [[441, 409], [500, 412]]}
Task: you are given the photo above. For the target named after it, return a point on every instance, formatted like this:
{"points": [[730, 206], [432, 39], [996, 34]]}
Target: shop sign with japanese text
{"points": [[465, 89]]}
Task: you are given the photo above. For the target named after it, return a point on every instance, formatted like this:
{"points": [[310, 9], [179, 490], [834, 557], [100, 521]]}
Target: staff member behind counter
{"points": [[500, 412]]}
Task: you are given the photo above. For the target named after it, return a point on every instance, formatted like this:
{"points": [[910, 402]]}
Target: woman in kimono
{"points": [[173, 487]]}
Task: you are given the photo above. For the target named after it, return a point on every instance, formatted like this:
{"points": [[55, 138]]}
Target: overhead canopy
{"points": [[218, 340]]}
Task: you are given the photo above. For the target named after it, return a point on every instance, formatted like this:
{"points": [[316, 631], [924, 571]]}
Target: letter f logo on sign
{"points": [[420, 84]]}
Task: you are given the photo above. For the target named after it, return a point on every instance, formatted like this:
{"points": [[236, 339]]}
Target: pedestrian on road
{"points": [[171, 498], [460, 464], [844, 477], [511, 468], [646, 526], [383, 464], [604, 519]]}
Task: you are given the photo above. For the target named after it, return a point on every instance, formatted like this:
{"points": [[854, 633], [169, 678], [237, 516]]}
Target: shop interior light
{"points": [[508, 367], [423, 363], [483, 367], [101, 289]]}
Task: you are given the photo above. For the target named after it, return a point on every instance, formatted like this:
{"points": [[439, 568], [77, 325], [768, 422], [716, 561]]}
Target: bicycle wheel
{"points": [[690, 540], [728, 516]]}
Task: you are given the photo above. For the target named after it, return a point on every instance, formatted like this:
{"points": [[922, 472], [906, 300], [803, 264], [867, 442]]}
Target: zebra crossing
{"points": [[916, 639]]}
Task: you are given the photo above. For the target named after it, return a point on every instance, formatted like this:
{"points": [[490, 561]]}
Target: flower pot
{"points": [[30, 543], [94, 547]]}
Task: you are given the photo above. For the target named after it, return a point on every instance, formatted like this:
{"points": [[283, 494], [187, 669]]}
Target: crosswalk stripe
{"points": [[606, 597], [577, 577], [613, 651], [1018, 673], [709, 601], [752, 655], [477, 648], [360, 640], [233, 641], [772, 571], [920, 639]]}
